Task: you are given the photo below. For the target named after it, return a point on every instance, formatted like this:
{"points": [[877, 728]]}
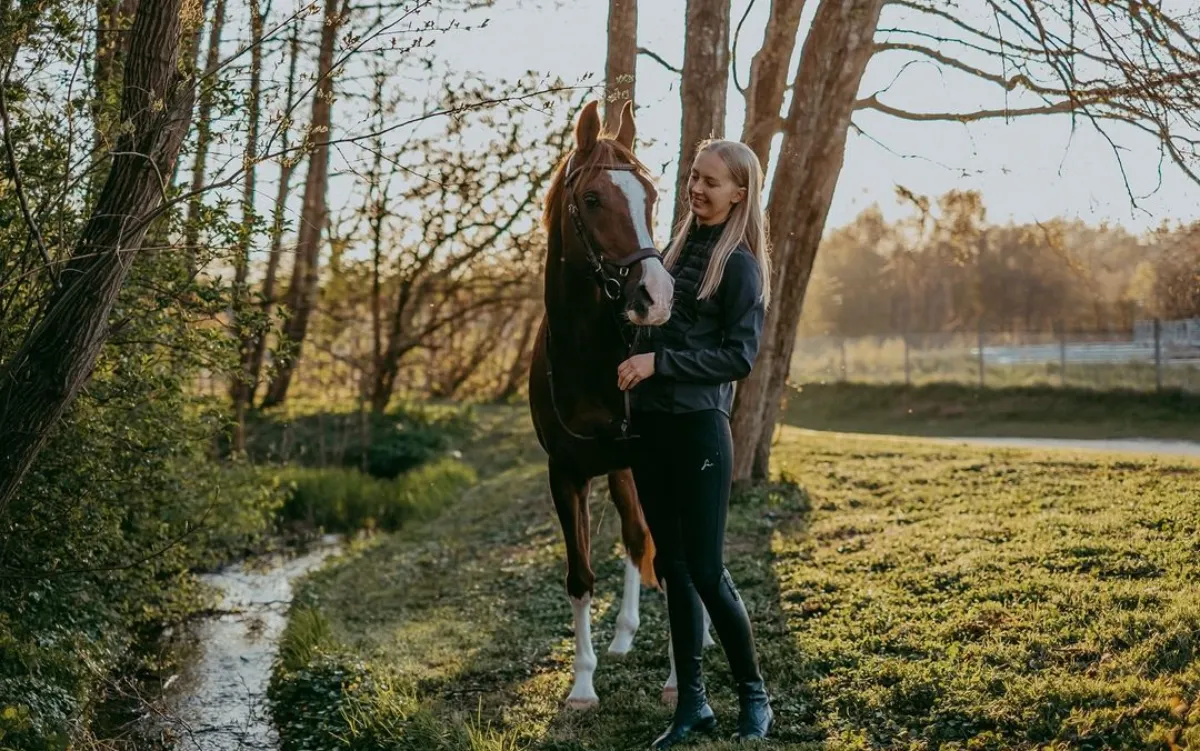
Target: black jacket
{"points": [[707, 345]]}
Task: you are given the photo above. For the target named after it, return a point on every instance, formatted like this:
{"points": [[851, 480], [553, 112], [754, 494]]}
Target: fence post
{"points": [[842, 343], [907, 367], [1158, 364], [981, 363], [1062, 353]]}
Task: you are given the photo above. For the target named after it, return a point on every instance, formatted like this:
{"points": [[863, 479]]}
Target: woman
{"points": [[682, 381]]}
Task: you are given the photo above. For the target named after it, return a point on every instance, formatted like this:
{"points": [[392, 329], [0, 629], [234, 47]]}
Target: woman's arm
{"points": [[742, 310]]}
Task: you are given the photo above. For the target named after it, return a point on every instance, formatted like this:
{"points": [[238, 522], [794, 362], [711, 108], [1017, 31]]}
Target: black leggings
{"points": [[683, 467]]}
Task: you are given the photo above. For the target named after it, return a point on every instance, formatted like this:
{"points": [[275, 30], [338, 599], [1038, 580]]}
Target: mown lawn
{"points": [[906, 596], [949, 409]]}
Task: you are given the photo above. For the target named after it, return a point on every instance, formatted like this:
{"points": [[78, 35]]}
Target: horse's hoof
{"points": [[670, 695], [582, 704]]}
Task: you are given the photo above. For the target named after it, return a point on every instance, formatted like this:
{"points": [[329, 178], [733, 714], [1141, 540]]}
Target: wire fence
{"points": [[1154, 356]]}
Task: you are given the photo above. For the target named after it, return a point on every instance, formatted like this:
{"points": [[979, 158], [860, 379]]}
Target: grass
{"points": [[905, 596], [948, 409]]}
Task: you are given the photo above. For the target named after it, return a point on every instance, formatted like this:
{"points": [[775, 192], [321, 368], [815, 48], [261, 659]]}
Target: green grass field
{"points": [[948, 409], [905, 596]]}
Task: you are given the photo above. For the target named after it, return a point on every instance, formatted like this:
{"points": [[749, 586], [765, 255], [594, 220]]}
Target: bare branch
{"points": [[658, 59]]}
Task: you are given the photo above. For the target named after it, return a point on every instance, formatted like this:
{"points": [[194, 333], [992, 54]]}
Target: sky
{"points": [[1027, 169]]}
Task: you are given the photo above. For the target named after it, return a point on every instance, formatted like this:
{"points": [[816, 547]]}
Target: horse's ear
{"points": [[627, 130], [587, 130]]}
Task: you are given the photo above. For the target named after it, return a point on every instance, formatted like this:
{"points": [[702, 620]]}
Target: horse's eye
{"points": [[591, 200]]}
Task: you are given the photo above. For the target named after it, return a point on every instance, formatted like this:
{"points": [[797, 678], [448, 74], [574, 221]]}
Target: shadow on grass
{"points": [[471, 607]]}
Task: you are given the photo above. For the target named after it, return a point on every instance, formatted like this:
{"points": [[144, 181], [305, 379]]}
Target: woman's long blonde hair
{"points": [[747, 222]]}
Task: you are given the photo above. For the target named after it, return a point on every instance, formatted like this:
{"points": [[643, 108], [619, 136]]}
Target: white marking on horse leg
{"points": [[670, 691], [628, 619], [583, 693], [708, 640]]}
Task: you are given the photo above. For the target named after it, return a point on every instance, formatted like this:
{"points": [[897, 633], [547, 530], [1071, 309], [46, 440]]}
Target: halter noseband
{"points": [[610, 284]]}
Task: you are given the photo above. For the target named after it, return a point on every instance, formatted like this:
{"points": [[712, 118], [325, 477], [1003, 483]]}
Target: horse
{"points": [[602, 273]]}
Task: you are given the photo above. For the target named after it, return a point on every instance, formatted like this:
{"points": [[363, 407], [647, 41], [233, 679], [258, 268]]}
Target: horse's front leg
{"points": [[570, 491]]}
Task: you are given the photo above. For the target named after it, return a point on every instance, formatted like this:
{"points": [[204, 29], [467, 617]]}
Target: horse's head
{"points": [[606, 199]]}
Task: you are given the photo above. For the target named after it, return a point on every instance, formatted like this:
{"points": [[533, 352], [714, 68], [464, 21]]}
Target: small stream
{"points": [[218, 701]]}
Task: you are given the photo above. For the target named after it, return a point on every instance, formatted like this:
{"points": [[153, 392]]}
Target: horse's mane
{"points": [[606, 151]]}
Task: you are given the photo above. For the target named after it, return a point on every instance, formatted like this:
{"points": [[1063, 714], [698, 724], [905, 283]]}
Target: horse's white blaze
{"points": [[583, 692], [635, 193], [658, 282], [628, 619]]}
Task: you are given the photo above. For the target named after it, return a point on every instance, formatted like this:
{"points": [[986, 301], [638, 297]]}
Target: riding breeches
{"points": [[683, 466]]}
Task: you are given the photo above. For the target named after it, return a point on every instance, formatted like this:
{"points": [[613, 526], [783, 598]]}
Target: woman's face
{"points": [[711, 189]]}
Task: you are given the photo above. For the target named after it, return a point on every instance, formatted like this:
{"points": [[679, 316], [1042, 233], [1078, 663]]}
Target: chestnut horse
{"points": [[602, 273]]}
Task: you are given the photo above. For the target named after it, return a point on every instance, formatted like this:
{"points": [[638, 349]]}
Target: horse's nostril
{"points": [[643, 295]]}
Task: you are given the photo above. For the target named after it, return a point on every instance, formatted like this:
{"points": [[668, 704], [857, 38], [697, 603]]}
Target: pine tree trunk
{"points": [[286, 167], [620, 69], [314, 212], [835, 54], [703, 88], [41, 380]]}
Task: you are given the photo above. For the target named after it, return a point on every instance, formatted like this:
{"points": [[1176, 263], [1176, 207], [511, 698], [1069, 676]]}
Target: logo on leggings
{"points": [[706, 465]]}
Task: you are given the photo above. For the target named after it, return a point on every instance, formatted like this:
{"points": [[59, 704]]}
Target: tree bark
{"points": [[703, 88], [286, 167], [41, 380], [769, 78], [620, 69], [240, 390], [112, 24], [832, 62], [314, 212], [191, 232]]}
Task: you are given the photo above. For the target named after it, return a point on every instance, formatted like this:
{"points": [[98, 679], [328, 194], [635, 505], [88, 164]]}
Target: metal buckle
{"points": [[612, 288]]}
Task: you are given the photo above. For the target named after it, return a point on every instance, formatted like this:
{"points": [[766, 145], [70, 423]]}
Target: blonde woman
{"points": [[682, 383]]}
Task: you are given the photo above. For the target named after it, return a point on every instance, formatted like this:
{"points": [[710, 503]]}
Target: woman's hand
{"points": [[635, 370]]}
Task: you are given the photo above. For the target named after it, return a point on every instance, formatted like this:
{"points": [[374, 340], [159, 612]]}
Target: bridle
{"points": [[612, 285]]}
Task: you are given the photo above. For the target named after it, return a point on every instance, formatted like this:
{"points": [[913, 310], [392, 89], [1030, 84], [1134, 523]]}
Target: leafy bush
{"points": [[383, 445], [343, 500]]}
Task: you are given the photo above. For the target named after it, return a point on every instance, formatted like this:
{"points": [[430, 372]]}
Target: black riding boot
{"points": [[692, 713], [733, 628]]}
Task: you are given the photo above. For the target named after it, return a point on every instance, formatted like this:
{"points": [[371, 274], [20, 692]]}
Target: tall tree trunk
{"points": [[191, 231], [835, 54], [376, 209], [240, 391], [704, 86], [113, 18], [620, 69], [314, 212], [769, 77], [41, 380], [286, 167]]}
